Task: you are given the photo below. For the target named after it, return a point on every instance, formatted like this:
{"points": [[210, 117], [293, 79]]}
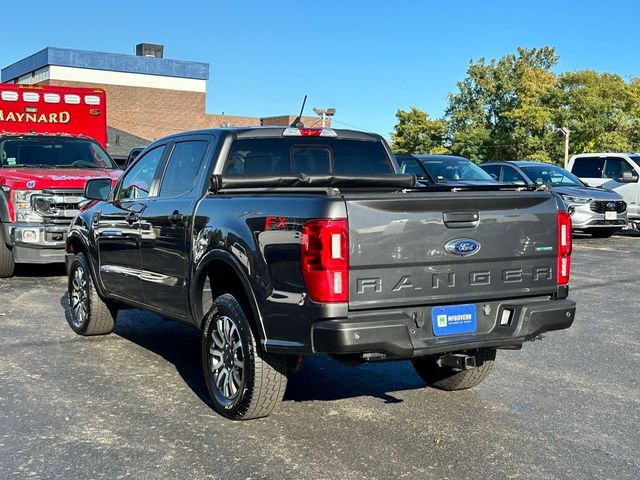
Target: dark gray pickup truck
{"points": [[282, 242]]}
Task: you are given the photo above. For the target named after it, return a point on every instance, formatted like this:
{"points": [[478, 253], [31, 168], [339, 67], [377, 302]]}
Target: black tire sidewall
{"points": [[227, 305], [79, 261], [7, 263]]}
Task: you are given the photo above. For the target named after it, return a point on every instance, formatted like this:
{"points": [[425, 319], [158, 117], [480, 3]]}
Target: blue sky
{"points": [[365, 58]]}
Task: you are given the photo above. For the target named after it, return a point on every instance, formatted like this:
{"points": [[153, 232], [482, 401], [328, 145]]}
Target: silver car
{"points": [[597, 211]]}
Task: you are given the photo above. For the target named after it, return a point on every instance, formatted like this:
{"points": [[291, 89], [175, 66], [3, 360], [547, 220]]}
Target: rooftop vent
{"points": [[149, 50]]}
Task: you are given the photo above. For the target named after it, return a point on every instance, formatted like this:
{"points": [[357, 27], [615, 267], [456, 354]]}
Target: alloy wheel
{"points": [[226, 359], [78, 298]]}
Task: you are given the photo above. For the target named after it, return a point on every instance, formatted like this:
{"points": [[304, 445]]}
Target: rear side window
{"points": [[588, 167], [183, 168], [286, 156]]}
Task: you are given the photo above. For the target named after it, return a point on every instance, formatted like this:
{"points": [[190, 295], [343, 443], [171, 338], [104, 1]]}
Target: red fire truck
{"points": [[52, 140]]}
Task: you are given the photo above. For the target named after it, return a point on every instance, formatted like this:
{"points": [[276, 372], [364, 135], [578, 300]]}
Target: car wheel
{"points": [[7, 265], [88, 314], [604, 232], [244, 382], [448, 378]]}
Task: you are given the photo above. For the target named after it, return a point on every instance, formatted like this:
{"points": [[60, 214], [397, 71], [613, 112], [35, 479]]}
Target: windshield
{"points": [[54, 152], [455, 169], [550, 175]]}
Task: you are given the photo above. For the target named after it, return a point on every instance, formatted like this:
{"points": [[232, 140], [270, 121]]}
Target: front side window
{"points": [[412, 166], [138, 181], [615, 167], [54, 152], [511, 175], [183, 168], [493, 170]]}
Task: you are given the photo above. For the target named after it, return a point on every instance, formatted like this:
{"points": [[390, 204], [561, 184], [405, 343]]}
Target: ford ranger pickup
{"points": [[281, 242]]}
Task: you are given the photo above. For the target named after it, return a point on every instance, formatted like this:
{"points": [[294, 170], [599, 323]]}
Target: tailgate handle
{"points": [[461, 219]]}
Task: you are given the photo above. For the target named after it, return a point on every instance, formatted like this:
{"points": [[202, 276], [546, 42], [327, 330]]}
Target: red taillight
{"points": [[564, 248], [310, 132], [324, 256]]}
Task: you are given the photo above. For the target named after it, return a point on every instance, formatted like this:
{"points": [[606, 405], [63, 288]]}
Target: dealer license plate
{"points": [[610, 215], [453, 319]]}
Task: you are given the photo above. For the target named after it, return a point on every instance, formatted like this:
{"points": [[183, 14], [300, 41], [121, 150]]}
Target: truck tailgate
{"points": [[398, 255]]}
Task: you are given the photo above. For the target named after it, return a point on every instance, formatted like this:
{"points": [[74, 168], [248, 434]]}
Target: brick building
{"points": [[148, 96]]}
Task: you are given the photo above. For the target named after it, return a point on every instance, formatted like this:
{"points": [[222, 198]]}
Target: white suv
{"points": [[615, 171]]}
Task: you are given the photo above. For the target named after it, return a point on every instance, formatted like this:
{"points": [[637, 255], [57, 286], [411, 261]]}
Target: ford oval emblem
{"points": [[462, 246]]}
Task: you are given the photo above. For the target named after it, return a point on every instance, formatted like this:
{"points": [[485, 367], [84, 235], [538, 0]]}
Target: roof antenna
{"points": [[297, 123]]}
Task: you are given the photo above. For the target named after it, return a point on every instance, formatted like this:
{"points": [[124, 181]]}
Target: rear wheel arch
{"points": [[222, 273]]}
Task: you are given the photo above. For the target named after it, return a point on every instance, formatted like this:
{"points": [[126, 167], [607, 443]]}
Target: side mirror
{"points": [[97, 189], [628, 177]]}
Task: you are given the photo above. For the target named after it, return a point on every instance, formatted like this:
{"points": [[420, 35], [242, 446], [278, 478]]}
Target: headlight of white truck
{"points": [[574, 199], [23, 208]]}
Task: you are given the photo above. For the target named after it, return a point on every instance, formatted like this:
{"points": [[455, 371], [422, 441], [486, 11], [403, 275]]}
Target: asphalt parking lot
{"points": [[133, 404]]}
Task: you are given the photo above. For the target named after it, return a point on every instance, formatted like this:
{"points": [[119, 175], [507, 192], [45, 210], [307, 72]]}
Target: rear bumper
{"points": [[400, 335]]}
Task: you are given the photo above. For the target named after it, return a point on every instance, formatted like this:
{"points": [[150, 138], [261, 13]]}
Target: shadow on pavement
{"points": [[629, 233], [320, 378], [177, 343], [35, 270], [323, 378]]}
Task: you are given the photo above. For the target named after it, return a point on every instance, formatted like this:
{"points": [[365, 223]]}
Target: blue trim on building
{"points": [[105, 61]]}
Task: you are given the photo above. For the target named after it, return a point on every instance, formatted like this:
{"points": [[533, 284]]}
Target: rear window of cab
{"points": [[313, 156]]}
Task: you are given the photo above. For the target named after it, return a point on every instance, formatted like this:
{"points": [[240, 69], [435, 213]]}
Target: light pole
{"points": [[324, 113], [565, 131]]}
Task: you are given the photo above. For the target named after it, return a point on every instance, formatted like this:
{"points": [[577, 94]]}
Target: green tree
{"points": [[503, 109], [511, 109], [415, 132], [600, 109]]}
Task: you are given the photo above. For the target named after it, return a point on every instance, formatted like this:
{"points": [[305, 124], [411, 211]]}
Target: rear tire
{"points": [[88, 314], [7, 265], [448, 378], [604, 232], [244, 382]]}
